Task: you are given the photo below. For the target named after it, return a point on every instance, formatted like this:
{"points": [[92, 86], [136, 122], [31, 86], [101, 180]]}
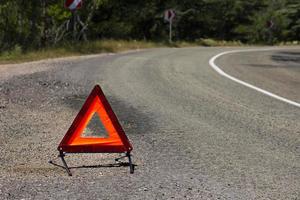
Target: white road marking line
{"points": [[221, 72]]}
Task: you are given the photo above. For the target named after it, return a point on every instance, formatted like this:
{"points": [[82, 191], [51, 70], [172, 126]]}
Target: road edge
{"points": [[265, 92]]}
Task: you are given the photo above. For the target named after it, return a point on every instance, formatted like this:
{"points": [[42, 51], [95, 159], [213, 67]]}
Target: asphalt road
{"points": [[274, 71], [196, 134]]}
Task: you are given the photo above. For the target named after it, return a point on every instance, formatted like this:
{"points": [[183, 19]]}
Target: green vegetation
{"points": [[16, 55], [82, 48], [104, 46], [46, 28]]}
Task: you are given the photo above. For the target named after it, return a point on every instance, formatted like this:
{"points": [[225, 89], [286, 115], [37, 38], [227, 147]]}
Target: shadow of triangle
{"points": [[121, 164]]}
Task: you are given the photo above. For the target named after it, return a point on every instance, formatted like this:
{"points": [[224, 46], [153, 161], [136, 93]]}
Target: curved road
{"points": [[196, 134]]}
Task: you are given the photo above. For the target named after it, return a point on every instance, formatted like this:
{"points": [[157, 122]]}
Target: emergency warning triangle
{"points": [[116, 142]]}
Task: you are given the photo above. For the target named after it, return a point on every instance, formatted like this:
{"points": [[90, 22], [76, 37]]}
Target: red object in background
{"points": [[73, 4]]}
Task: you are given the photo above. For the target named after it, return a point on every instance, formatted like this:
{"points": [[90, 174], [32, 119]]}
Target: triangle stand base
{"points": [[131, 166], [66, 167]]}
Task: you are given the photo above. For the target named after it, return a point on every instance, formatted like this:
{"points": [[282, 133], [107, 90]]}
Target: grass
{"points": [[101, 46], [212, 42]]}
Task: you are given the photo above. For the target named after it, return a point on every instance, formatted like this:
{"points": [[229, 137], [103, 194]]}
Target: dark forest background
{"points": [[42, 23]]}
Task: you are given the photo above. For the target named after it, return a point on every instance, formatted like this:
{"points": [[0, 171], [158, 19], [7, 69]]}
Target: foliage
{"points": [[43, 23], [81, 48]]}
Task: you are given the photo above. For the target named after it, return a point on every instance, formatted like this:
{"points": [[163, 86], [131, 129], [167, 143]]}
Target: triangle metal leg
{"points": [[127, 155], [117, 159], [62, 155], [131, 166]]}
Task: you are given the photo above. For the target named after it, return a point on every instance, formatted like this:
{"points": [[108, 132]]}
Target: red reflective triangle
{"points": [[116, 142]]}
